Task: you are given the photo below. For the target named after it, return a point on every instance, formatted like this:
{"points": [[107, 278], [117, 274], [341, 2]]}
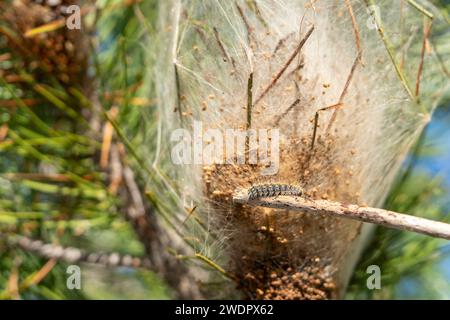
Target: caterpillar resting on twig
{"points": [[272, 190]]}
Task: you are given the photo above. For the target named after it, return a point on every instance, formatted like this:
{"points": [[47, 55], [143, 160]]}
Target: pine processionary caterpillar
{"points": [[272, 190]]}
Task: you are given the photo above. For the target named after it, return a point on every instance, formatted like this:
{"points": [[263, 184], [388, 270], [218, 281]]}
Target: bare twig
{"points": [[224, 52], [249, 101], [354, 25], [246, 23], [116, 175], [382, 217], [281, 116], [358, 60], [340, 103], [75, 255], [285, 66], [426, 35], [316, 121], [421, 9], [439, 59], [390, 52], [156, 240], [178, 88], [108, 131], [215, 266]]}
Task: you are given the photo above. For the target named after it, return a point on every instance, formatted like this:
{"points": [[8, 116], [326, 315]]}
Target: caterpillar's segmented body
{"points": [[272, 190]]}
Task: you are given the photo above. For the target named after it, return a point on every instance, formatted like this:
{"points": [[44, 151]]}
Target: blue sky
{"points": [[437, 136]]}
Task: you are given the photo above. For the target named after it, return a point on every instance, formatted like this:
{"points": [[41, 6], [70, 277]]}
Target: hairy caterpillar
{"points": [[272, 190]]}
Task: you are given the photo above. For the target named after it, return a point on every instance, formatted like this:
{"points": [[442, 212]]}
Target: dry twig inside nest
{"points": [[378, 216]]}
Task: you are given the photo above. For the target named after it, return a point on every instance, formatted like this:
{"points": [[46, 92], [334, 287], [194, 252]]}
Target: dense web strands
{"points": [[331, 83]]}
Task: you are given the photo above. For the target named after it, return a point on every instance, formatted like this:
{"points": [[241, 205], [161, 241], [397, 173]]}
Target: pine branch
{"points": [[386, 218], [76, 255]]}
